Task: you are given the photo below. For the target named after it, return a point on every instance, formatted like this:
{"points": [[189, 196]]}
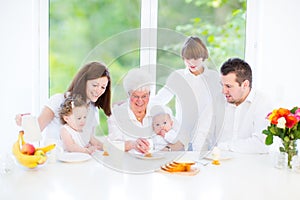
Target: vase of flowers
{"points": [[284, 123]]}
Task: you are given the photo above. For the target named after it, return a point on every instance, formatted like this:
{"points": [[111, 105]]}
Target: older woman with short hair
{"points": [[131, 122]]}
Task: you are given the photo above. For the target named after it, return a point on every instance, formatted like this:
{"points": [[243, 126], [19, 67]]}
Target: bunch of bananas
{"points": [[31, 161]]}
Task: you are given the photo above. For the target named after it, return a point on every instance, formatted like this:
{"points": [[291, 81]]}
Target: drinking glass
{"points": [[280, 160], [7, 164], [296, 163]]}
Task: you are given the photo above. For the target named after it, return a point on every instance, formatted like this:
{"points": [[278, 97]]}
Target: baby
{"points": [[162, 124], [73, 112]]}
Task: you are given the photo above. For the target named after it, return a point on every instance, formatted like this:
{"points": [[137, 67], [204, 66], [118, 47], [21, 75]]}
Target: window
{"points": [[147, 33], [220, 24]]}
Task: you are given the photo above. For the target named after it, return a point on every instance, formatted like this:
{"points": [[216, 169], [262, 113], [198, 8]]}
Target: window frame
{"points": [[42, 63]]}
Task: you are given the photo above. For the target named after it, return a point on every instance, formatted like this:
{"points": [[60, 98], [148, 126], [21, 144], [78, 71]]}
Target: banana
{"points": [[30, 161], [47, 148], [43, 156], [21, 137]]}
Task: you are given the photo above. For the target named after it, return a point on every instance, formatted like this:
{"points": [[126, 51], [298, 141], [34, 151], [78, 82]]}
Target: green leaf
{"points": [[197, 20], [211, 38], [297, 134], [286, 139], [292, 137], [294, 110], [281, 133], [273, 130], [269, 140], [236, 12], [281, 149], [266, 132]]}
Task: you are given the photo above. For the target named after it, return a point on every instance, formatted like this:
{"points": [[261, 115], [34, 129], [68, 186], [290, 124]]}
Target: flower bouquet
{"points": [[284, 124]]}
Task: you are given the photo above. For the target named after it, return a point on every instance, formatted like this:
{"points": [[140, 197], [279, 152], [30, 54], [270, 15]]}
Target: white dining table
{"points": [[239, 177]]}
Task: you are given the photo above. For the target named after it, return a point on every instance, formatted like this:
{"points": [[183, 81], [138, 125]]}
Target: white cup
{"points": [[32, 131], [216, 153]]}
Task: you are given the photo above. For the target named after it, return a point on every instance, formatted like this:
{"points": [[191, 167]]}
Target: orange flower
{"points": [[278, 113], [283, 112]]}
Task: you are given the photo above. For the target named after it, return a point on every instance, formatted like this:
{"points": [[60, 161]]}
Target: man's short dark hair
{"points": [[240, 68]]}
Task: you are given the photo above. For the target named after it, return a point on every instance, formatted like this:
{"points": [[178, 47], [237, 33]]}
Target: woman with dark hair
{"points": [[93, 83]]}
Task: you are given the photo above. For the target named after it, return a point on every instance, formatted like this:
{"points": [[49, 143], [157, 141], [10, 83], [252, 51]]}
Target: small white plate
{"points": [[154, 156], [73, 157]]}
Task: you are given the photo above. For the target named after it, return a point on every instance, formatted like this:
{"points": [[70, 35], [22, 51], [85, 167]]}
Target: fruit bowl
{"points": [[29, 156]]}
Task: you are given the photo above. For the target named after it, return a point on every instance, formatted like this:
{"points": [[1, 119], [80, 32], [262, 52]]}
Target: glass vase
{"points": [[290, 148]]}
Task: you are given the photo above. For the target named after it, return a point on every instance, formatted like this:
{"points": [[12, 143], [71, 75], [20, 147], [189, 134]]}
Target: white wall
{"points": [[272, 50], [20, 65], [276, 29]]}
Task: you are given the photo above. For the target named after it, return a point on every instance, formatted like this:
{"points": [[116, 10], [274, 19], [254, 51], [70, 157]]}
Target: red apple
{"points": [[28, 149]]}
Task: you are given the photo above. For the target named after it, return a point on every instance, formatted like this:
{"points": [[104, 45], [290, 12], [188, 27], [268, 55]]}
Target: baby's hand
{"points": [[91, 149], [162, 134], [99, 146]]}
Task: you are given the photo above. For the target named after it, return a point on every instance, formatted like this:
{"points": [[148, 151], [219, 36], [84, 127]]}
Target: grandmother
{"points": [[130, 121]]}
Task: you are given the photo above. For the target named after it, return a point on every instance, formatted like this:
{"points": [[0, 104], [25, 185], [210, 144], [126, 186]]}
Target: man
{"points": [[245, 110]]}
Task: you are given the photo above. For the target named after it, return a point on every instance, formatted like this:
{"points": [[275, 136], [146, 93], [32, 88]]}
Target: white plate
{"points": [[73, 157], [223, 156], [154, 156]]}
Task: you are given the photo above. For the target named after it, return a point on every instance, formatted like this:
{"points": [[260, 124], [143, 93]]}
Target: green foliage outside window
{"points": [[78, 26], [220, 24]]}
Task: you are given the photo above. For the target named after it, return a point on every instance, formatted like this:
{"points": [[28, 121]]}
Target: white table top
{"points": [[252, 177]]}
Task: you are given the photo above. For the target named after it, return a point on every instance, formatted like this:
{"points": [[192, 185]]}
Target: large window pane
{"points": [[220, 24], [81, 31], [77, 27]]}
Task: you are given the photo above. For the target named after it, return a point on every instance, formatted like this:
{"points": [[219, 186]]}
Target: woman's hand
{"points": [[142, 145], [18, 118]]}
